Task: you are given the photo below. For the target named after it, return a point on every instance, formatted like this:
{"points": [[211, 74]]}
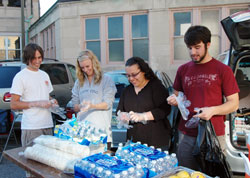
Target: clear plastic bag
{"points": [[123, 120], [183, 103], [194, 121], [56, 109]]}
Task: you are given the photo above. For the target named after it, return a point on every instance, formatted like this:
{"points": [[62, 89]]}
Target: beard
{"points": [[201, 57]]}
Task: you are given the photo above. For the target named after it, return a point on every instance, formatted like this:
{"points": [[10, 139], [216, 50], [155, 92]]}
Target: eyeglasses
{"points": [[132, 75]]}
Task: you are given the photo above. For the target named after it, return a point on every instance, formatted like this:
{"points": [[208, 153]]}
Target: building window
{"points": [[1, 2], [92, 36], [182, 21], [211, 19], [140, 36], [115, 39], [10, 47], [15, 3], [48, 41], [123, 36]]}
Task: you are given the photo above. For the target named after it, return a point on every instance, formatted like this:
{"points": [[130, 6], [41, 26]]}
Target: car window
{"points": [[72, 70], [121, 81], [7, 73], [120, 78], [56, 72]]}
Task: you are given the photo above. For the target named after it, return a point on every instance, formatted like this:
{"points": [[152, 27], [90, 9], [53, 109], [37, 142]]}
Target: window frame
{"points": [[6, 49], [224, 11], [114, 39], [48, 41], [103, 30]]}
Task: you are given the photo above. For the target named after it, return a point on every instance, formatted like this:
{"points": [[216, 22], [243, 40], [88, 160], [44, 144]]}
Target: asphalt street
{"points": [[7, 168]]}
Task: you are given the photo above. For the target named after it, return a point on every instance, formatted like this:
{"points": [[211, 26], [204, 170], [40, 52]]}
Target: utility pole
{"points": [[22, 26]]}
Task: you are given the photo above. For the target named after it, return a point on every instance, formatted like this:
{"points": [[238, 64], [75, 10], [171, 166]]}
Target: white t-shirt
{"points": [[33, 86]]}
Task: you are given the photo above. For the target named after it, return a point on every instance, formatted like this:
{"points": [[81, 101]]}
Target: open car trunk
{"points": [[237, 28]]}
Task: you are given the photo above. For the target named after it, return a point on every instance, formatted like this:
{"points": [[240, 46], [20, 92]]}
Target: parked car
{"points": [[121, 81], [62, 76], [237, 28]]}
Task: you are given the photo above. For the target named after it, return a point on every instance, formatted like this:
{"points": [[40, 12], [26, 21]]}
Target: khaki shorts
{"points": [[29, 135]]}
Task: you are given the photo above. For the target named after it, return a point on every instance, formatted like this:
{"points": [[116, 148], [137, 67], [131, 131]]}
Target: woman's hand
{"points": [[138, 117], [172, 100], [85, 106]]}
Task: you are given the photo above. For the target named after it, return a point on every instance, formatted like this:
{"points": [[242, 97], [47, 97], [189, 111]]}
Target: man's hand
{"points": [[205, 113], [172, 100]]}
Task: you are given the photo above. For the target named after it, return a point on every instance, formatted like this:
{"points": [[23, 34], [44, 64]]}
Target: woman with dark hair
{"points": [[145, 102]]}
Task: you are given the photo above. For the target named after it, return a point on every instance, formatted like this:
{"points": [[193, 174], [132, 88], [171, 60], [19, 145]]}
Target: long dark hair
{"points": [[29, 52], [143, 66]]}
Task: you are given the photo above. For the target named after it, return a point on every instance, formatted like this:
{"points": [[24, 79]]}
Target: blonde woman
{"points": [[93, 93]]}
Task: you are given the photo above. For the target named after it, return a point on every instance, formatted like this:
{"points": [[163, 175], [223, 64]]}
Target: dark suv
{"points": [[62, 76]]}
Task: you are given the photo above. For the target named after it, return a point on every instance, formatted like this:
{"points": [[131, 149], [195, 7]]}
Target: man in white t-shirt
{"points": [[30, 93]]}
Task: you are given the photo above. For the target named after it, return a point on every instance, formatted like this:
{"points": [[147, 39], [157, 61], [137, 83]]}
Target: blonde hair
{"points": [[88, 54]]}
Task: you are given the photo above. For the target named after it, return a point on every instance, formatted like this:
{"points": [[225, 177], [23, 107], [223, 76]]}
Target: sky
{"points": [[45, 5]]}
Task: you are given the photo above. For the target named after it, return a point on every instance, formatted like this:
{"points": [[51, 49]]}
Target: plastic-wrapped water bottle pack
{"points": [[149, 158], [103, 165], [81, 132]]}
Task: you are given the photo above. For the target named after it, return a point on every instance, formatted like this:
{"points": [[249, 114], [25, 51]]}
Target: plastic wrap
{"points": [[51, 157], [63, 145], [183, 103]]}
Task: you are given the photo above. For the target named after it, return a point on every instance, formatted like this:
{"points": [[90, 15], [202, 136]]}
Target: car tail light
{"points": [[11, 116], [7, 97]]}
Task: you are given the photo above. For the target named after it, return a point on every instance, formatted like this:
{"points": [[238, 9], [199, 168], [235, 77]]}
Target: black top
{"points": [[151, 98]]}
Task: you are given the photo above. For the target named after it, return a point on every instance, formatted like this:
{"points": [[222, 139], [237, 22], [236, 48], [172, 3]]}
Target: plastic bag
{"points": [[194, 121], [183, 103], [208, 153]]}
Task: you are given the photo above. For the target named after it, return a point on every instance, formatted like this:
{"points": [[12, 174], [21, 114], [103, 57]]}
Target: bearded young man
{"points": [[205, 82]]}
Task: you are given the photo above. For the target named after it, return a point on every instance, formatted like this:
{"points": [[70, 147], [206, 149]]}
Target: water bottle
{"points": [[131, 156], [116, 176], [119, 150], [125, 154], [131, 171], [138, 159], [108, 174], [99, 172], [166, 152], [92, 168], [139, 171], [145, 162], [160, 165], [159, 149], [174, 160], [152, 164], [124, 174], [167, 161]]}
